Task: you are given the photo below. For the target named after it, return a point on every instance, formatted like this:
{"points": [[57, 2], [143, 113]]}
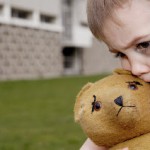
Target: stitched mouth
{"points": [[119, 101]]}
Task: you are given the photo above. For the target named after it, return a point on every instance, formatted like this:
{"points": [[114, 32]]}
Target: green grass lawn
{"points": [[38, 114]]}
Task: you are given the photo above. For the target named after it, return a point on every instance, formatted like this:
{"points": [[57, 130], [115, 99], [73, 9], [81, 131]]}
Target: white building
{"points": [[45, 38]]}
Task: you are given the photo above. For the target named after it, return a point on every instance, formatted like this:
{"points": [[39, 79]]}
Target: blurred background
{"points": [[47, 53]]}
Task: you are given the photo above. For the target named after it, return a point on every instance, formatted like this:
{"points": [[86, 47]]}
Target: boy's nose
{"points": [[139, 68]]}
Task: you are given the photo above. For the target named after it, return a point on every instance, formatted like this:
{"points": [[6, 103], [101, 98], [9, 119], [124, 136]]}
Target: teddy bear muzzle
{"points": [[126, 114], [119, 101]]}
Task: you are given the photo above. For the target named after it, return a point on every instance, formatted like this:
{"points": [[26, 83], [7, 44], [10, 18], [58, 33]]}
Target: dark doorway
{"points": [[72, 60]]}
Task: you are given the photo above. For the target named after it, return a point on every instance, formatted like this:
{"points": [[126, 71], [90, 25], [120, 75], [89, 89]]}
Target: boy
{"points": [[124, 25]]}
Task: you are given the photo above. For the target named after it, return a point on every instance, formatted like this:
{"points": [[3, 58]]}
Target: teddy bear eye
{"points": [[133, 86], [97, 106]]}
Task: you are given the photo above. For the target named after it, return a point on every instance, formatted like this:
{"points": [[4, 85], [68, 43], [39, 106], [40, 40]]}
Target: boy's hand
{"points": [[89, 145]]}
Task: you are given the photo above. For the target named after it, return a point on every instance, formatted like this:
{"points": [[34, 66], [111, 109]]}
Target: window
{"points": [[22, 14], [47, 18]]}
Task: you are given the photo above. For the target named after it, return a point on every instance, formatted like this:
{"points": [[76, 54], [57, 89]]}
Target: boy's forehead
{"points": [[132, 22], [115, 36]]}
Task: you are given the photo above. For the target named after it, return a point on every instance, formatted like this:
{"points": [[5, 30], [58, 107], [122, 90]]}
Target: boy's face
{"points": [[130, 39]]}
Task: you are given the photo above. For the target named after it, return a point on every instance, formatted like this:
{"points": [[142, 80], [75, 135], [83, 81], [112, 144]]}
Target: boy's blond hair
{"points": [[97, 13]]}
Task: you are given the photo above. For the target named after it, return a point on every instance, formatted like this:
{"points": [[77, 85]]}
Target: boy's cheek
{"points": [[125, 64]]}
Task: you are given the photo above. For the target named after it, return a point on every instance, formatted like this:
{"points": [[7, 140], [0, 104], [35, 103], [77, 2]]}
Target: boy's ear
{"points": [[79, 104], [121, 72]]}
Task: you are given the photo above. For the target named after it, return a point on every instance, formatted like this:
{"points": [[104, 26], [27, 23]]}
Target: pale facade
{"points": [[88, 55], [47, 38]]}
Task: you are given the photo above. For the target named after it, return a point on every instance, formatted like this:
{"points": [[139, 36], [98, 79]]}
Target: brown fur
{"points": [[104, 126]]}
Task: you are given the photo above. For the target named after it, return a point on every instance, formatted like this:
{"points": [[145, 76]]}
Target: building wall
{"points": [[31, 48], [49, 7], [45, 6], [36, 8], [77, 34], [97, 59], [29, 53]]}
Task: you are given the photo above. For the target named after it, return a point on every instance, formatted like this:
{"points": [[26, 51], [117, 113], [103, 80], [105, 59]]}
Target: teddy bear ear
{"points": [[79, 104], [121, 72]]}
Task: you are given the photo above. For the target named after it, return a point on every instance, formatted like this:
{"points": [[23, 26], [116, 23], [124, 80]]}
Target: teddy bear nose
{"points": [[119, 101]]}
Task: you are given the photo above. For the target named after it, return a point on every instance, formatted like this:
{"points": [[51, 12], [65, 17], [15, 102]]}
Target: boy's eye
{"points": [[143, 48], [143, 45], [119, 54]]}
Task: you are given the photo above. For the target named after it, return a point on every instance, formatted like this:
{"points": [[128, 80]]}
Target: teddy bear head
{"points": [[114, 109]]}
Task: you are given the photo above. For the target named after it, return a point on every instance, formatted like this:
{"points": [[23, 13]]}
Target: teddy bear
{"points": [[115, 111]]}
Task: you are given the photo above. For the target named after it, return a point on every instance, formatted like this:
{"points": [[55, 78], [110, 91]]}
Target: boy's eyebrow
{"points": [[112, 50], [134, 41]]}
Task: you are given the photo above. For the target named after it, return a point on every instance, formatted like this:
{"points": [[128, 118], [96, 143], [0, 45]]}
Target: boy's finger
{"points": [[126, 148]]}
